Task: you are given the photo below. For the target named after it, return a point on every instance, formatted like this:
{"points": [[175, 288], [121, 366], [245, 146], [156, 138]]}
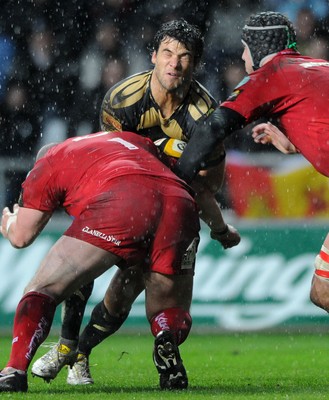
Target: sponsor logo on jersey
{"points": [[111, 122], [101, 235], [234, 95], [236, 90]]}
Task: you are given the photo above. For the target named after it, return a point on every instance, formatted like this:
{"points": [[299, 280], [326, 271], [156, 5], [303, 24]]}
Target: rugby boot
{"points": [[79, 374], [49, 365], [13, 382], [168, 362]]}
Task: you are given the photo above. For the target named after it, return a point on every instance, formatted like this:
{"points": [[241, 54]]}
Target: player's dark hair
{"points": [[268, 33], [187, 34]]}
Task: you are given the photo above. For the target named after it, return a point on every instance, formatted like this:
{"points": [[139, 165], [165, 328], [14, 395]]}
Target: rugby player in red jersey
{"points": [[288, 89], [98, 179]]}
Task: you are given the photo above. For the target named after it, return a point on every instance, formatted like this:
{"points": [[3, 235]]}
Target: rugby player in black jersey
{"points": [[167, 105]]}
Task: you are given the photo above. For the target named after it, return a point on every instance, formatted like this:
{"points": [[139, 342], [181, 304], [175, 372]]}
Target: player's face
{"points": [[246, 57], [173, 65]]}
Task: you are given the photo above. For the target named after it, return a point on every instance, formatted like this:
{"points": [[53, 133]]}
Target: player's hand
{"points": [[228, 238], [260, 135], [268, 133], [7, 219]]}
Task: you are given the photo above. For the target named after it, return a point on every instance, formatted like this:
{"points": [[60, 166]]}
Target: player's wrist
{"points": [[222, 231]]}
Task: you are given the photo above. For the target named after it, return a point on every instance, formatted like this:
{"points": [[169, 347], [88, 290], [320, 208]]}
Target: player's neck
{"points": [[168, 101]]}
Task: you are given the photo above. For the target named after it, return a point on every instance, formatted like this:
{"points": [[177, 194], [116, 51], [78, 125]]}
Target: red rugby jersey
{"points": [[79, 171], [294, 90]]}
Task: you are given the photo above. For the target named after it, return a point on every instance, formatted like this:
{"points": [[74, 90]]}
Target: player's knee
{"points": [[319, 301], [319, 294], [176, 320]]}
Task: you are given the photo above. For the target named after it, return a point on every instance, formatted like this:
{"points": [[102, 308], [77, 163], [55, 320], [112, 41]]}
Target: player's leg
{"points": [[106, 318], [320, 283], [124, 287], [69, 264], [32, 323], [168, 287], [64, 352], [168, 299], [73, 310]]}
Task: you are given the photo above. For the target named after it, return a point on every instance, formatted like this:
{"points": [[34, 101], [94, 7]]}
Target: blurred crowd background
{"points": [[58, 58]]}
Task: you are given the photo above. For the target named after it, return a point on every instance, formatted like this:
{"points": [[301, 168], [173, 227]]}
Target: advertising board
{"points": [[263, 283]]}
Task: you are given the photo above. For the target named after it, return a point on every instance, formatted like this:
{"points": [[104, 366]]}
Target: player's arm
{"points": [[266, 133], [22, 225], [220, 124], [109, 117], [206, 184]]}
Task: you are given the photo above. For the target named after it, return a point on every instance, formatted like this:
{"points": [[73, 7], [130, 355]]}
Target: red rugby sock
{"points": [[176, 320], [322, 263], [33, 319]]}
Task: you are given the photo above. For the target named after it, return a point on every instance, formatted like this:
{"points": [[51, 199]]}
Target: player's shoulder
{"points": [[128, 90], [201, 98]]}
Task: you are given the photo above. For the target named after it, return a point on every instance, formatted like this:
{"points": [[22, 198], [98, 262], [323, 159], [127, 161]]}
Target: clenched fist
{"points": [[228, 238]]}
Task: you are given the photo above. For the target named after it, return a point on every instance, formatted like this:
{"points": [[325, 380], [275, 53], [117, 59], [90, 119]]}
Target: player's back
{"points": [[107, 155], [79, 170]]}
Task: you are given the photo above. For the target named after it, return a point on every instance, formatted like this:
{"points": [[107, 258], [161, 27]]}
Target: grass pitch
{"points": [[235, 366]]}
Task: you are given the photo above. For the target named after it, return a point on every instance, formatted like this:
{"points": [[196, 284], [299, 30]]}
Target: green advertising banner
{"points": [[263, 283]]}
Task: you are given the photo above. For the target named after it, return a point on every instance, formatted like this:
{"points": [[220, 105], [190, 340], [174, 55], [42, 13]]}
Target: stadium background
{"points": [[57, 60]]}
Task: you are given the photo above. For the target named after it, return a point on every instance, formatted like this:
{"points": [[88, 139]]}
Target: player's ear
{"points": [[154, 57]]}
